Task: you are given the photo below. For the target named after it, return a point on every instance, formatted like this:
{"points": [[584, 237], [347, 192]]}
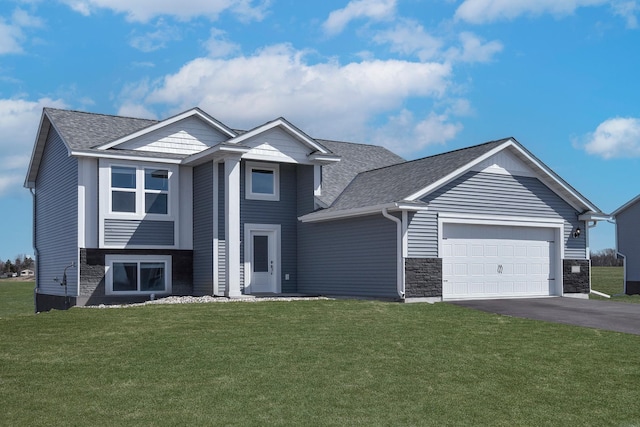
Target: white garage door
{"points": [[481, 261]]}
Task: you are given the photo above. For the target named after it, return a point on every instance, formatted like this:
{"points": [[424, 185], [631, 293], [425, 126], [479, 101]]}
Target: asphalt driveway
{"points": [[608, 315]]}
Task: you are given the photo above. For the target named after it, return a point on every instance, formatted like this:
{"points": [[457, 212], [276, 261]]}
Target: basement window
{"points": [[145, 274]]}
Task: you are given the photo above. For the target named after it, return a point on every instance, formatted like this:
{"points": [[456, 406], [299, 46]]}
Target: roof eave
{"points": [[218, 152], [321, 216], [189, 113], [626, 205]]}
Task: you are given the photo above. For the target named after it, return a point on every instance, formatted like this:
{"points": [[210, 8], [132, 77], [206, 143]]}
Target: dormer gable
{"points": [[276, 141], [187, 133]]}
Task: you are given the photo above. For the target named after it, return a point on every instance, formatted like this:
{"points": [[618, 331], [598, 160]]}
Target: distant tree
{"points": [[1, 266], [28, 263], [605, 258], [8, 267]]}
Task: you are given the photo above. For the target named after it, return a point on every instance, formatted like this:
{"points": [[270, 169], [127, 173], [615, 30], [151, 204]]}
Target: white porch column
{"points": [[232, 225]]}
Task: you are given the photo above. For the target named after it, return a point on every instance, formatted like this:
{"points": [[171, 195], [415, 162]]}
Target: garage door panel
{"points": [[500, 261]]}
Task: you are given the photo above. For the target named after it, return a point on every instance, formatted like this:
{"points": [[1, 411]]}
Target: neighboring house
{"points": [[27, 273], [628, 243], [133, 209]]}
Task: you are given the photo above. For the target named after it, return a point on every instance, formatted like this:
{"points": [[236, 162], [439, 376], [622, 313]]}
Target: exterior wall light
{"points": [[576, 233]]}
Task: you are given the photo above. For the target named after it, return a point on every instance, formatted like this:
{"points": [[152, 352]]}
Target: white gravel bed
{"points": [[207, 299]]}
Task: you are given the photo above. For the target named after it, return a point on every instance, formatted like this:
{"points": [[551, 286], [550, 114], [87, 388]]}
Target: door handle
{"points": [[271, 267], [500, 269]]}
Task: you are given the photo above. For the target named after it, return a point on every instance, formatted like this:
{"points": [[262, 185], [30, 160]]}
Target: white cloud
{"points": [[404, 134], [484, 11], [11, 38], [18, 125], [627, 10], [409, 38], [377, 10], [219, 45], [617, 137], [145, 10], [328, 100], [157, 39], [474, 49], [12, 34]]}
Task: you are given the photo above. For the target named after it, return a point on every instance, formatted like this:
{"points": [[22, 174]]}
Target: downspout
{"points": [[400, 263], [35, 250]]}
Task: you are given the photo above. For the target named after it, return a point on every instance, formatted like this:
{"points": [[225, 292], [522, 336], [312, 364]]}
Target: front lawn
{"points": [[311, 363], [16, 297], [610, 280]]}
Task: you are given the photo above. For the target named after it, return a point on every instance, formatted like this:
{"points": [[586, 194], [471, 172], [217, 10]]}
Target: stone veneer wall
{"points": [[576, 282], [92, 274], [423, 277]]}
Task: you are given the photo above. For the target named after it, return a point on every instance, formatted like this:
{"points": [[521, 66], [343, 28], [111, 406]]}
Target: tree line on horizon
{"points": [[19, 263]]}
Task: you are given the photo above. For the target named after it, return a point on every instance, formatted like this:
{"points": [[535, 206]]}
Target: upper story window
{"points": [[139, 190], [156, 191], [262, 181]]}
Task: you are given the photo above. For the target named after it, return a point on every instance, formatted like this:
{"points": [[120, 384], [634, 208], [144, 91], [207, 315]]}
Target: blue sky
{"points": [[418, 76]]}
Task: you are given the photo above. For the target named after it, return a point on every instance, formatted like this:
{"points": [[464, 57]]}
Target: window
{"points": [[139, 191], [156, 191], [145, 274], [123, 194], [262, 181]]}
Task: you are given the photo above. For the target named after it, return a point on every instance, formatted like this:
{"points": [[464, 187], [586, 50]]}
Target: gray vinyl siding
{"points": [[497, 195], [56, 217], [122, 233], [281, 212], [628, 238], [305, 195], [423, 235], [203, 229], [354, 257]]}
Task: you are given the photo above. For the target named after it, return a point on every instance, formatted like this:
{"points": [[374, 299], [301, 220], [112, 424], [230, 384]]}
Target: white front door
{"points": [[262, 258]]}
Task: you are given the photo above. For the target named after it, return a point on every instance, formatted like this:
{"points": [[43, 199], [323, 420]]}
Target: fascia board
{"points": [[626, 206], [296, 133], [38, 148], [442, 181], [112, 155], [549, 174], [543, 171], [592, 216], [350, 213], [169, 121], [324, 158], [224, 149]]}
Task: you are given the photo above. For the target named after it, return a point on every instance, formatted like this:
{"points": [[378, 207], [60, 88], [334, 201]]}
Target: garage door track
{"points": [[608, 315]]}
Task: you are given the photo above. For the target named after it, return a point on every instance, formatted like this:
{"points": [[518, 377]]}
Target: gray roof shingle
{"points": [[395, 183], [83, 131], [355, 158]]}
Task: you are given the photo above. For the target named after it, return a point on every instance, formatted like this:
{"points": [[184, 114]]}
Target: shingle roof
{"points": [[83, 131], [355, 158], [395, 183]]}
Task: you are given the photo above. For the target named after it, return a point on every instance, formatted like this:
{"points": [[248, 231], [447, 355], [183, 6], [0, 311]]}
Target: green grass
{"points": [[16, 297], [311, 363], [610, 280]]}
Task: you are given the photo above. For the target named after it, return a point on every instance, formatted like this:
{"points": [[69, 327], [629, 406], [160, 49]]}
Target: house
{"points": [[130, 209], [628, 243], [27, 273]]}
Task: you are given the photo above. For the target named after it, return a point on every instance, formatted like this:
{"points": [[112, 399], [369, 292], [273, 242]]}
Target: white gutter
{"points": [[400, 259], [367, 210], [35, 249]]}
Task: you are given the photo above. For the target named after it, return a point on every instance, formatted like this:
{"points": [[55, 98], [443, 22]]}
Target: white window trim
{"points": [[106, 190], [104, 195], [110, 259], [248, 190]]}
